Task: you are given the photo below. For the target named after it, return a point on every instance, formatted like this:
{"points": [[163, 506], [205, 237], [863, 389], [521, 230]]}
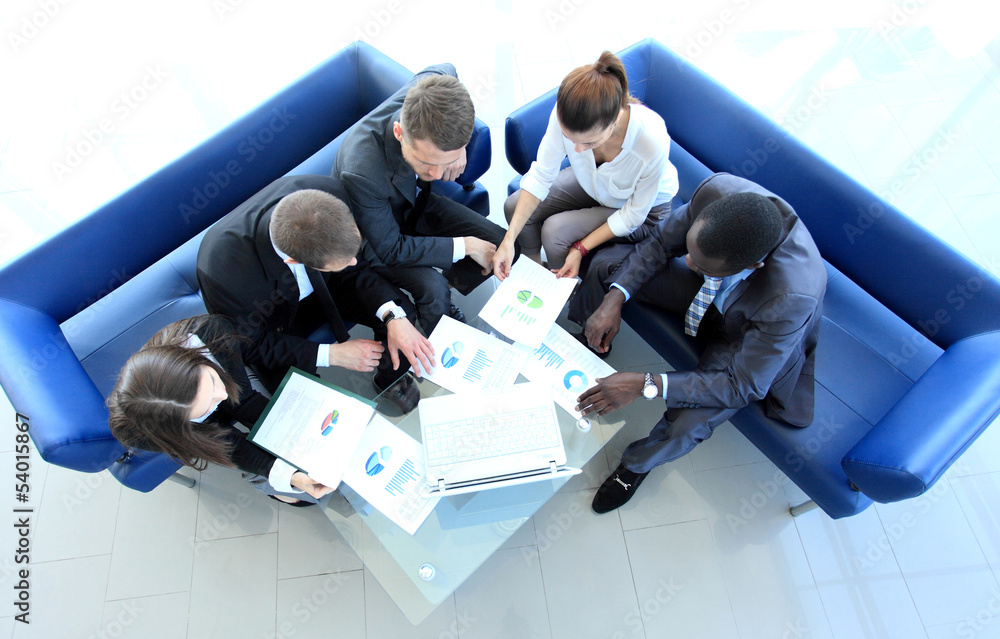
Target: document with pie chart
{"points": [[387, 470], [469, 359], [527, 303], [565, 365], [313, 425]]}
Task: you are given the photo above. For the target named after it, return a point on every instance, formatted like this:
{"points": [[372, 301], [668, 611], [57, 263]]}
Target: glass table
{"points": [[420, 571]]}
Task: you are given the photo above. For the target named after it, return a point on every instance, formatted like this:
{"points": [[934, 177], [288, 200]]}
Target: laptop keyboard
{"points": [[465, 440]]}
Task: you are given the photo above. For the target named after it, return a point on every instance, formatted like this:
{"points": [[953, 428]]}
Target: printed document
{"points": [[527, 303], [566, 365], [387, 470], [471, 360], [313, 425]]}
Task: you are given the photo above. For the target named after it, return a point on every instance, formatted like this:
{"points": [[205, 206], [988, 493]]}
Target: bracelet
{"points": [[578, 245]]}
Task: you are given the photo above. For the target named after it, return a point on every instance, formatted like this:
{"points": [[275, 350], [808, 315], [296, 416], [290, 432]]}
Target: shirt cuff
{"points": [[323, 356], [458, 253], [622, 289], [663, 376], [618, 225], [280, 477]]}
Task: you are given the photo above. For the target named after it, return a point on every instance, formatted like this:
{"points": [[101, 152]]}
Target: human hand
{"points": [[481, 251], [611, 393], [404, 338], [571, 266], [455, 169], [503, 259], [356, 355], [309, 485], [606, 321]]}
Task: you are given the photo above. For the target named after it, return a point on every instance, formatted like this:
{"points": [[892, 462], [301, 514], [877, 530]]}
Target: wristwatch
{"points": [[396, 312], [649, 389]]}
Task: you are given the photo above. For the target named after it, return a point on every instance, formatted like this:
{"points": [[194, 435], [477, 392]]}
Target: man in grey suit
{"points": [[387, 164], [744, 272]]}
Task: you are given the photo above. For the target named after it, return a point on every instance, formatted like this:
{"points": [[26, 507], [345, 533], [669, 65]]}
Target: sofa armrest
{"points": [[39, 372], [478, 153], [938, 418]]}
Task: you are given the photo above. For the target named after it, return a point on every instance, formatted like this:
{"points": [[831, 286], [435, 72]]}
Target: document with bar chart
{"points": [[469, 359], [564, 364], [527, 303], [387, 470]]}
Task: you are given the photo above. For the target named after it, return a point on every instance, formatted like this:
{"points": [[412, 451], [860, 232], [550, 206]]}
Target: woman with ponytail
{"points": [[619, 182], [179, 395]]}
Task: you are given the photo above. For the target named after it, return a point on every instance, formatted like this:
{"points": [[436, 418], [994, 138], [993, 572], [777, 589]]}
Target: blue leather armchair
{"points": [[75, 308], [908, 363]]}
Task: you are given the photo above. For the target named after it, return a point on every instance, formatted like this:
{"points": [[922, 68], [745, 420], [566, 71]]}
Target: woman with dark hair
{"points": [[179, 395], [619, 182]]}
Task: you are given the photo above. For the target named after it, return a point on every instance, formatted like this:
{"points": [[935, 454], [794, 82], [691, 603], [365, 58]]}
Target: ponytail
{"points": [[591, 96]]}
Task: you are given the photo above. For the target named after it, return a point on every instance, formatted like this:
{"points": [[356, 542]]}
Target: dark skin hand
{"points": [[604, 324], [613, 392]]}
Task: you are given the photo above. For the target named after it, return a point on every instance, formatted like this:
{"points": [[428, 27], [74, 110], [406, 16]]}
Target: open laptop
{"points": [[500, 437]]}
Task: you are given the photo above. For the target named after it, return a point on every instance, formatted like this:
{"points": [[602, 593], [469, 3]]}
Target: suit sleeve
{"points": [[365, 289], [776, 334], [650, 255]]}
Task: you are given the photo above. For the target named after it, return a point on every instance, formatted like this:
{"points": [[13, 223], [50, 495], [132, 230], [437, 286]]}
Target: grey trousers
{"points": [[680, 429], [567, 215]]}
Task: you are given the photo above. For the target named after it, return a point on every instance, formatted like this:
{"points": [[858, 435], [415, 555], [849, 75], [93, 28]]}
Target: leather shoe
{"points": [[580, 337], [403, 394], [616, 489], [456, 314]]}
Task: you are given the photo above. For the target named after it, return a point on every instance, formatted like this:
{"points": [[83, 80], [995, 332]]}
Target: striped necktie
{"points": [[700, 304]]}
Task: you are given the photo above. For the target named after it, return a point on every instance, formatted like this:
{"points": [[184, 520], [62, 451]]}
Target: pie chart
{"points": [[450, 356], [329, 422], [528, 298], [377, 460], [575, 380]]}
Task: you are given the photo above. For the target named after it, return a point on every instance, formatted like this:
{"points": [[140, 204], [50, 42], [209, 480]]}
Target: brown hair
{"points": [[591, 96], [439, 109], [150, 405], [314, 228]]}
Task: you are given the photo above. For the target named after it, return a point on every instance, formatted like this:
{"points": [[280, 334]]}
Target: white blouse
{"points": [[639, 178]]}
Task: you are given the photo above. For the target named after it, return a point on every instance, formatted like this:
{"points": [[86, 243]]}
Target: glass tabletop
{"points": [[420, 571]]}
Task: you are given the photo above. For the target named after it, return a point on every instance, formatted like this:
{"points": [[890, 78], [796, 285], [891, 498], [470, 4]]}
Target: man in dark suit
{"points": [[748, 278], [387, 164], [283, 264]]}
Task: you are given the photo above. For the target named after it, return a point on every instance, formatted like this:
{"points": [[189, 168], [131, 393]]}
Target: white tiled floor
{"points": [[707, 549]]}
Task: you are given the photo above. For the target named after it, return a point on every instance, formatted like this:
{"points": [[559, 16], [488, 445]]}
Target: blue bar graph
{"points": [[403, 476], [549, 356], [479, 363]]}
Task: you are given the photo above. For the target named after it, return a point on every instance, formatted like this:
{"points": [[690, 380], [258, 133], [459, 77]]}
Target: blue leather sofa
{"points": [[908, 363], [75, 308]]}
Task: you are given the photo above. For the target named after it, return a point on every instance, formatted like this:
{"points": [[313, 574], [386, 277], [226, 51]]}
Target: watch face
{"points": [[649, 392]]}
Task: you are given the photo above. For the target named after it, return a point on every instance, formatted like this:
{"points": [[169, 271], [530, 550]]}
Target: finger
{"points": [[394, 356]]}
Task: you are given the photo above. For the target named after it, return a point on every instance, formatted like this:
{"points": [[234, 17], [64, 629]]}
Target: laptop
{"points": [[491, 439]]}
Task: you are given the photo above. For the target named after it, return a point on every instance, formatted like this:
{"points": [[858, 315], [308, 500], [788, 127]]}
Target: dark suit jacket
{"points": [[242, 278], [770, 321], [383, 187]]}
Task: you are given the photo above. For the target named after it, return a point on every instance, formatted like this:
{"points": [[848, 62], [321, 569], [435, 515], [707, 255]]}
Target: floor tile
{"points": [[504, 598], [583, 558], [312, 607], [73, 501], [938, 554], [978, 217], [770, 585], [878, 142], [301, 533], [979, 496], [726, 447], [67, 598], [229, 507], [679, 583], [669, 495], [155, 530], [524, 536], [983, 456], [985, 627], [157, 617], [385, 621], [237, 576]]}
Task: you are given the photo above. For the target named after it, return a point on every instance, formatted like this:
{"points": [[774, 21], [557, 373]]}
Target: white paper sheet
{"points": [[470, 360], [527, 303], [566, 365], [387, 470], [313, 425]]}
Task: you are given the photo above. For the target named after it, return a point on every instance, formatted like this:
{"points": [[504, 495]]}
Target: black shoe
{"points": [[404, 394], [297, 504], [580, 337], [616, 489], [456, 314]]}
